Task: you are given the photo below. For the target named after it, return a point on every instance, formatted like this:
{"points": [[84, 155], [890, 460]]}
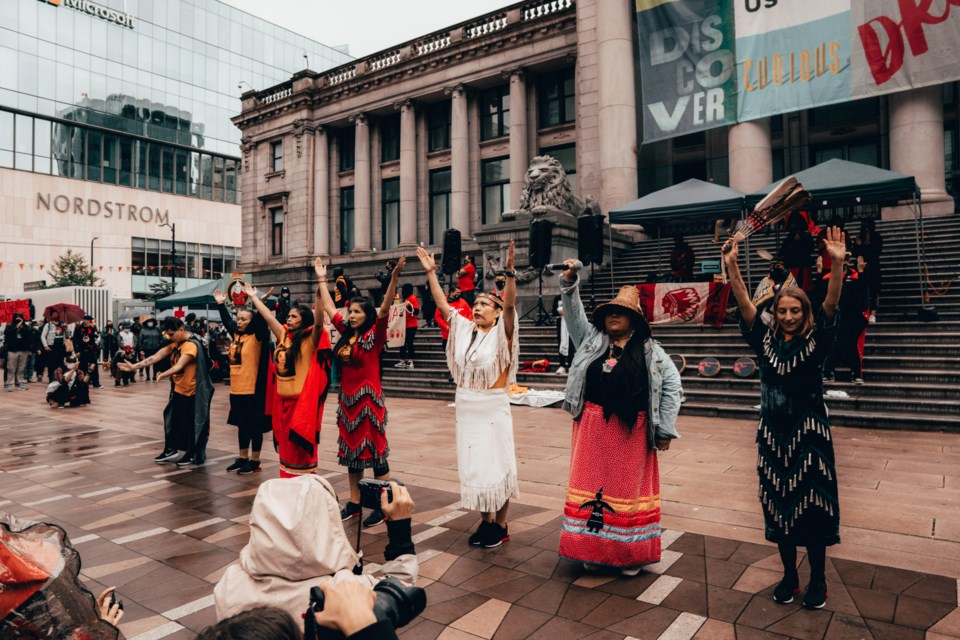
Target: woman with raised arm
{"points": [[249, 373], [624, 394], [361, 412], [302, 360], [482, 355], [798, 479]]}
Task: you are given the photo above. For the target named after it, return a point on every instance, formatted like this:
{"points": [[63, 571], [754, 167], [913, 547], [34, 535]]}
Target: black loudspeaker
{"points": [[590, 239], [541, 237], [450, 262]]}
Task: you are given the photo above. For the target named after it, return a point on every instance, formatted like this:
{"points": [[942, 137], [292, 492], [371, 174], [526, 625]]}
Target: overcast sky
{"points": [[366, 26]]}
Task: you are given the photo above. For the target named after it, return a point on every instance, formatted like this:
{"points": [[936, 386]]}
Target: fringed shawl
{"points": [[477, 359]]}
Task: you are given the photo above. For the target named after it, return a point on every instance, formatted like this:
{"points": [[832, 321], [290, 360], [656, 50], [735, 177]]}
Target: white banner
{"points": [[397, 326]]}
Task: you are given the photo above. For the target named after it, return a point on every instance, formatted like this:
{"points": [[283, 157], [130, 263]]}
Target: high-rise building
{"points": [[115, 126]]}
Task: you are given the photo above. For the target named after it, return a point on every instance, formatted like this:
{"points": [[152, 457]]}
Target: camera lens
{"points": [[398, 604]]}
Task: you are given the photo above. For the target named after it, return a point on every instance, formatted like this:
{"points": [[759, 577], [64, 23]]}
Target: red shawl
{"points": [[308, 412]]}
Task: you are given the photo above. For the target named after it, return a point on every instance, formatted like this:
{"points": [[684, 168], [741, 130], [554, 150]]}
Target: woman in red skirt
{"points": [[362, 413], [302, 361], [624, 394]]}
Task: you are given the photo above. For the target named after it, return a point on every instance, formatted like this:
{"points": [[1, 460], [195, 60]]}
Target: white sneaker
{"points": [[400, 365], [561, 371], [873, 318], [409, 364]]}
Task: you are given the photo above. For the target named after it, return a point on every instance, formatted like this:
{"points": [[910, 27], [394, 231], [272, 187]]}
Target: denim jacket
{"points": [[665, 387]]}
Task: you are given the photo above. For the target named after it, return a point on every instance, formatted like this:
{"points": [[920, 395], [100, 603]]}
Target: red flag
{"points": [[41, 266], [101, 267], [119, 268], [21, 266]]}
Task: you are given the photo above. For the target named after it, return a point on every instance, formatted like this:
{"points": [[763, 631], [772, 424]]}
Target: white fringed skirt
{"points": [[486, 459]]}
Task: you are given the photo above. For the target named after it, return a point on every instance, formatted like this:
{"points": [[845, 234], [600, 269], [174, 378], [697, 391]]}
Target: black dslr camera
{"points": [[395, 603], [370, 490]]}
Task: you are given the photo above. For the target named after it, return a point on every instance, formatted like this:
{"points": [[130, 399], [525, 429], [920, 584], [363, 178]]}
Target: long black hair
{"points": [[297, 336], [626, 389], [371, 317], [406, 290], [258, 325]]}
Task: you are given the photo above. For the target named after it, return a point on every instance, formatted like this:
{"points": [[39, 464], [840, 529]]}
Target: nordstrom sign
{"points": [[94, 9]]}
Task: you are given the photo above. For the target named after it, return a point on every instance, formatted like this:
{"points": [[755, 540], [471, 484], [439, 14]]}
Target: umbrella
{"points": [[69, 313]]}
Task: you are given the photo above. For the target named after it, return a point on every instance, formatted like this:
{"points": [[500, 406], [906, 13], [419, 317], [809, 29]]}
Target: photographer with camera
{"points": [[297, 542]]}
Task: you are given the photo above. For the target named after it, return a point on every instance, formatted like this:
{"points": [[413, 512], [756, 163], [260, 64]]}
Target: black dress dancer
{"points": [[795, 463]]}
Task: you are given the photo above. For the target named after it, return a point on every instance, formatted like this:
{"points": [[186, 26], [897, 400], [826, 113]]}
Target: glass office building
{"points": [[137, 94]]}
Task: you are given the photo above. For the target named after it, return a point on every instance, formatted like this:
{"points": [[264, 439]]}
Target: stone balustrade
{"points": [[543, 8], [278, 92], [384, 60], [432, 43], [486, 25]]}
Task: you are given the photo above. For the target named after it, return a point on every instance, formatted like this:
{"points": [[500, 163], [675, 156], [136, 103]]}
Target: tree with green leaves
{"points": [[161, 289], [71, 270]]}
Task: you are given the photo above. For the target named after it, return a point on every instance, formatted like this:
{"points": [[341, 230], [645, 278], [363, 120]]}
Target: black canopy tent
{"points": [[840, 183], [689, 200]]}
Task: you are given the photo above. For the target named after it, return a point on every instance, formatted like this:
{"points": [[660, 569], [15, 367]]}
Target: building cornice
{"points": [[509, 28]]}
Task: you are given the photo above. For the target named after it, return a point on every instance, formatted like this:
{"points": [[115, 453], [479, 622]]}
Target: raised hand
{"points": [[426, 260], [731, 250], [511, 255], [398, 269], [249, 289], [319, 267], [218, 296], [835, 244]]}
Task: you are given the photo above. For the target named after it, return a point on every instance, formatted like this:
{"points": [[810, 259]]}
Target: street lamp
{"points": [[173, 252], [95, 238]]}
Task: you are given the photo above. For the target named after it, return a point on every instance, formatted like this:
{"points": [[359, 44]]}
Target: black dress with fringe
{"points": [[795, 462]]}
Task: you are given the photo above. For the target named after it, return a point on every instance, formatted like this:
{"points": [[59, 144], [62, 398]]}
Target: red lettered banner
{"points": [[10, 307], [697, 303]]}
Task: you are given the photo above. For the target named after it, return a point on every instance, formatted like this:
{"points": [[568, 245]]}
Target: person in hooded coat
{"points": [[297, 542]]}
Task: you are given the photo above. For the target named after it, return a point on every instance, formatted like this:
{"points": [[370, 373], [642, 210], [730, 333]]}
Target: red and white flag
{"points": [[698, 303]]}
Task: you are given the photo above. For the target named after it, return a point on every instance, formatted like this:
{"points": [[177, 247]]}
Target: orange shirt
{"points": [[244, 358], [292, 372], [185, 382]]}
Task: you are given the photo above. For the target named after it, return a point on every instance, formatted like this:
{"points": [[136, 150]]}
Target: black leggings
{"points": [[408, 350], [377, 471], [246, 436], [816, 556]]}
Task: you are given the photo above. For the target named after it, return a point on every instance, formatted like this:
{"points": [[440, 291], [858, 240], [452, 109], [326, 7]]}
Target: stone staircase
{"points": [[912, 369]]}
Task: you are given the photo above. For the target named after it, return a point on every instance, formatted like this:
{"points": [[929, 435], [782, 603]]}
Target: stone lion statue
{"points": [[546, 190]]}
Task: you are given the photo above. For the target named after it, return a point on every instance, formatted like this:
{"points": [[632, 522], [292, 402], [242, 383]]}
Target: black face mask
{"points": [[500, 284], [779, 275], [453, 297]]}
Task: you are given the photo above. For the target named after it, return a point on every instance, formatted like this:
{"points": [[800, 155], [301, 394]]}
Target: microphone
{"points": [[559, 266]]}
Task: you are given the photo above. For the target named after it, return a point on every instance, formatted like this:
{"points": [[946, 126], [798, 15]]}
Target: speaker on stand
{"points": [[451, 257], [590, 247], [541, 239]]}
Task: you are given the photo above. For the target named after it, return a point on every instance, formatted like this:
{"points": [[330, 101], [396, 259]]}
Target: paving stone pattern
{"points": [[163, 536]]}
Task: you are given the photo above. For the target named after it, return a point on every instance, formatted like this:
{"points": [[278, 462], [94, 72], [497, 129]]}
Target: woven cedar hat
{"points": [[627, 299]]}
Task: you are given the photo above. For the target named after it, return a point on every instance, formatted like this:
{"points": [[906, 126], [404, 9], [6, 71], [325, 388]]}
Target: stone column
{"points": [[361, 184], [617, 107], [408, 173], [750, 155], [459, 161], [916, 146], [321, 194], [518, 134]]}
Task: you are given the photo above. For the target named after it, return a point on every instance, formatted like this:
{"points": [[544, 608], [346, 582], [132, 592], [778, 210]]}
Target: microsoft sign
{"points": [[104, 13]]}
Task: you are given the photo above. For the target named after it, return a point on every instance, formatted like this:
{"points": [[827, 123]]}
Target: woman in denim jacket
{"points": [[624, 394]]}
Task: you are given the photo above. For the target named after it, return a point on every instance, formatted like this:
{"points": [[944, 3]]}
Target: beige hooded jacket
{"points": [[297, 541]]}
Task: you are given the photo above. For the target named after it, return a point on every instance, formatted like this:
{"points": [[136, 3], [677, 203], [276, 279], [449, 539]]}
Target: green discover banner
{"points": [[788, 55], [687, 66]]}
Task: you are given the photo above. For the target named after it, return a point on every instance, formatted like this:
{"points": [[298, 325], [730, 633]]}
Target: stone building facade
{"points": [[369, 159]]}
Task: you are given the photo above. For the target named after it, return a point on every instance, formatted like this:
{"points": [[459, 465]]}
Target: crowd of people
{"points": [[623, 393]]}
